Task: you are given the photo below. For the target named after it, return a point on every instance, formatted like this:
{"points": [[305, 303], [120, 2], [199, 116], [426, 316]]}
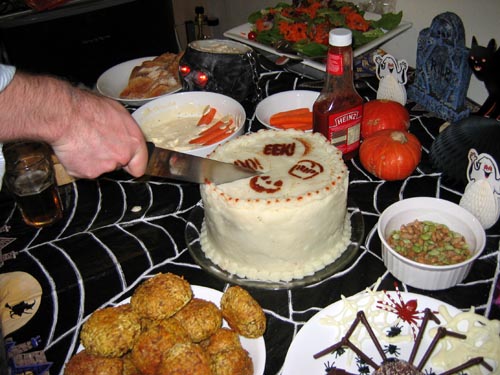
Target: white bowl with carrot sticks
{"points": [[287, 110], [193, 122]]}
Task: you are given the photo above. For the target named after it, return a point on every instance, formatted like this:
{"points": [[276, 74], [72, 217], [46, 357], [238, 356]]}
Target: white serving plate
{"points": [[240, 33], [112, 82], [329, 325]]}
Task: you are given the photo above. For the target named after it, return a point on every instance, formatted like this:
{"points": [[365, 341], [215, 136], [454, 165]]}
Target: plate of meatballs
{"points": [[169, 326]]}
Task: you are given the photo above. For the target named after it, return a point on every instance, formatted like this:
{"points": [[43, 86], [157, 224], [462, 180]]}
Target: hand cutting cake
{"points": [[286, 223]]}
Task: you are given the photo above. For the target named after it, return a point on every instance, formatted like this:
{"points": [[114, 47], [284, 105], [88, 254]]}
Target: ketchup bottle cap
{"points": [[340, 37]]}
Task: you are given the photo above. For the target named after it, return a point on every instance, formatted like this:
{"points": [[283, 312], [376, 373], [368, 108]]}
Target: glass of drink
{"points": [[29, 175]]}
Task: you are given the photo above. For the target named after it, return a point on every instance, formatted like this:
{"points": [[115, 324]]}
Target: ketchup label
{"points": [[335, 64], [344, 129]]}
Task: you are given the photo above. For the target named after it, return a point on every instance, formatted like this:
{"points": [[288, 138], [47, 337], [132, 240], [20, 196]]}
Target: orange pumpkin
{"points": [[382, 114], [390, 154]]}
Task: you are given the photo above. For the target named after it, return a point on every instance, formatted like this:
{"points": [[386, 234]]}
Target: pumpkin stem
{"points": [[399, 137]]}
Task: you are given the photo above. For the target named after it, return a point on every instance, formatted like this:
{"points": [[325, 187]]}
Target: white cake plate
{"points": [[192, 236]]}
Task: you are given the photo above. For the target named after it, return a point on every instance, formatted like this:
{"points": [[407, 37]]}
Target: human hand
{"points": [[90, 134], [101, 136]]}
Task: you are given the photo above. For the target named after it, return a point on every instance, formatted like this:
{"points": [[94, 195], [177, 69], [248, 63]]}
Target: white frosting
{"points": [[286, 223]]}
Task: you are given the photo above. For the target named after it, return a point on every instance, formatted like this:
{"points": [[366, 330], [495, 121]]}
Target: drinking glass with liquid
{"points": [[29, 175], [338, 110]]}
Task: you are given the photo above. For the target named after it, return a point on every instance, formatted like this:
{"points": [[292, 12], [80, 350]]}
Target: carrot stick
{"points": [[218, 138], [207, 137], [298, 126], [291, 112], [218, 125], [207, 117], [301, 115], [308, 119]]}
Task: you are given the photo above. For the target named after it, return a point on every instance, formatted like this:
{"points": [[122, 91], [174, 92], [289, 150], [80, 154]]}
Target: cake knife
{"points": [[180, 166]]}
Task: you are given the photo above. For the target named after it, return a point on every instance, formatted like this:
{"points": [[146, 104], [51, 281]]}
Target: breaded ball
{"points": [[223, 339], [185, 359], [149, 348], [171, 325], [84, 363], [200, 318], [111, 332], [161, 296], [234, 361], [242, 312], [128, 365]]}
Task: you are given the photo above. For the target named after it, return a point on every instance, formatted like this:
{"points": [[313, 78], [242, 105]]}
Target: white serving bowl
{"points": [[112, 82], [456, 218], [190, 104], [284, 101]]}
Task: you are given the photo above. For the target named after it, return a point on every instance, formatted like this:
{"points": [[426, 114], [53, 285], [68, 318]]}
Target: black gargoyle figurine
{"points": [[485, 65]]}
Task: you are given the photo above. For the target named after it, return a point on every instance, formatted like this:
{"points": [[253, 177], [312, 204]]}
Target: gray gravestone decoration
{"points": [[442, 73]]}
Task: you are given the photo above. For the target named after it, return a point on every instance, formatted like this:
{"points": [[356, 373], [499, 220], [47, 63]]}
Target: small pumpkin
{"points": [[390, 154], [382, 114]]}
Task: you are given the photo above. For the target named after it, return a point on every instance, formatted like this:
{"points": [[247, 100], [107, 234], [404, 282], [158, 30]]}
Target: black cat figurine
{"points": [[485, 64]]}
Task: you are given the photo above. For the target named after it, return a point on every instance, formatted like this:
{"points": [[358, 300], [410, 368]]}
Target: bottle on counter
{"points": [[338, 110]]}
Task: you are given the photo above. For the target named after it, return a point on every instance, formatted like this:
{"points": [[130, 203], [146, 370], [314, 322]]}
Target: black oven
{"points": [[82, 38]]}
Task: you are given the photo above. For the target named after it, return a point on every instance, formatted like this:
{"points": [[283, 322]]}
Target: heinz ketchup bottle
{"points": [[338, 110]]}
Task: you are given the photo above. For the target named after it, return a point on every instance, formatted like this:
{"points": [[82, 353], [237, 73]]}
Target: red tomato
{"points": [[382, 114], [252, 35]]}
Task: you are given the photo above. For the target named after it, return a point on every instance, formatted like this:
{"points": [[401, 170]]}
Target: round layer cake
{"points": [[285, 223]]}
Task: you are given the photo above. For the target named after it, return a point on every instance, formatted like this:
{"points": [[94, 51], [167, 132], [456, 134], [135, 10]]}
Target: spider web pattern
{"points": [[116, 232]]}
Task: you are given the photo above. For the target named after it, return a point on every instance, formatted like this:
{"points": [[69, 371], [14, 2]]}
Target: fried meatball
{"points": [[234, 361], [84, 363], [161, 296], [171, 325], [223, 339], [149, 347], [128, 365], [111, 332], [200, 318], [242, 312], [185, 359]]}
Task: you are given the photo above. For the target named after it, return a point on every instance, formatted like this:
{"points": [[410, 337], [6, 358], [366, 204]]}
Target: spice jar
{"points": [[338, 110]]}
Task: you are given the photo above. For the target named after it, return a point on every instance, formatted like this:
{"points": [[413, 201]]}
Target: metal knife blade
{"points": [[180, 166]]}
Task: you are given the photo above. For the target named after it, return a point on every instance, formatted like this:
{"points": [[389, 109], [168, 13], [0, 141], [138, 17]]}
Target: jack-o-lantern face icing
{"points": [[265, 184]]}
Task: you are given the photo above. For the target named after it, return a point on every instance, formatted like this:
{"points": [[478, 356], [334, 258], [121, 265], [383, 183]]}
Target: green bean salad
{"points": [[429, 243]]}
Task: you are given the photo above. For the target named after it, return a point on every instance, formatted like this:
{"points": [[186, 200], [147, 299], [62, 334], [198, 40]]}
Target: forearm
{"points": [[36, 108]]}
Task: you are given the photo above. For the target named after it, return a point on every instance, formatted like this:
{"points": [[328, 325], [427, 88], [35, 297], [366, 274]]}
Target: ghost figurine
{"points": [[482, 193], [392, 78]]}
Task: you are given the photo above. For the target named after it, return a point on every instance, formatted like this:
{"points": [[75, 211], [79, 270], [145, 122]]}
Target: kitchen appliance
{"points": [[82, 38]]}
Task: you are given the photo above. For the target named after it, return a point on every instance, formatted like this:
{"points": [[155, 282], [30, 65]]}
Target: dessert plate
{"points": [[192, 235], [255, 347], [329, 325]]}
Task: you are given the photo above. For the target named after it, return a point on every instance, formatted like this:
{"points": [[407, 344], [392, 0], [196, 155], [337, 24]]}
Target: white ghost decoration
{"points": [[392, 78], [482, 193]]}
